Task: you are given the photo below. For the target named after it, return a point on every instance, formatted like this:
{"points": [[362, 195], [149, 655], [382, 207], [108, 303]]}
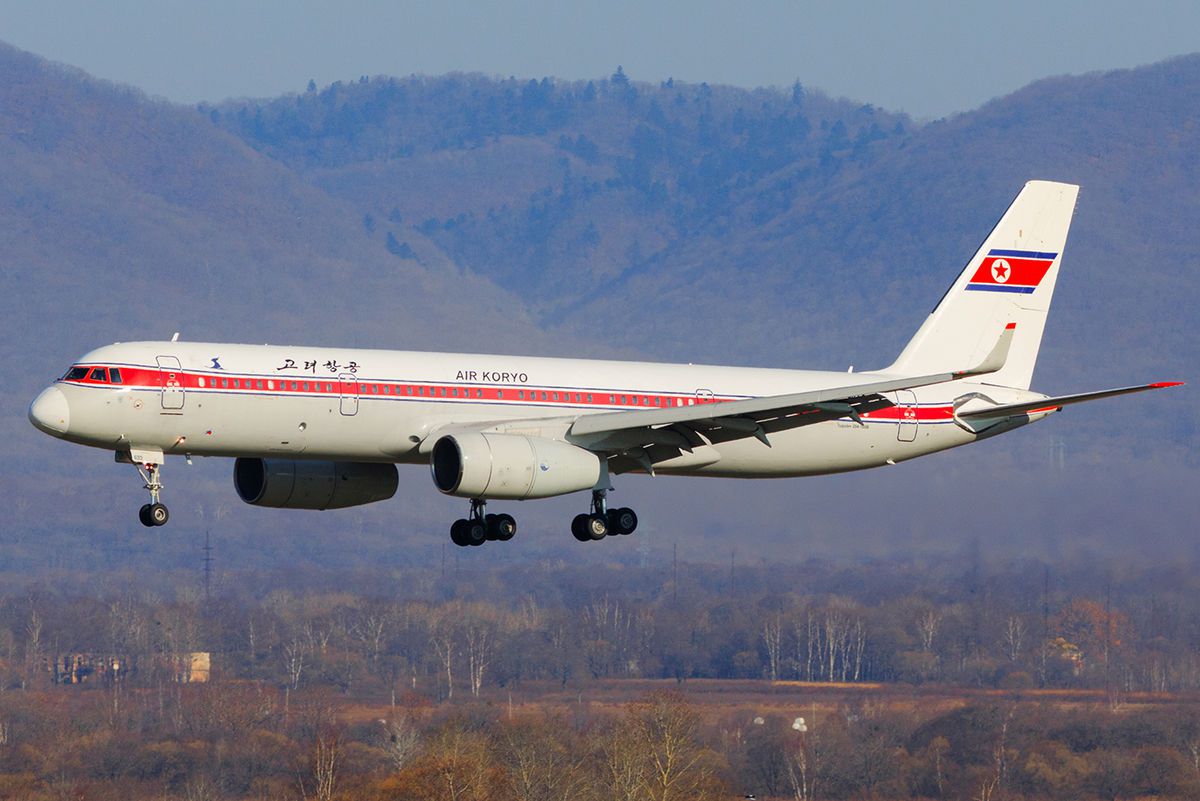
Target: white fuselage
{"points": [[323, 403]]}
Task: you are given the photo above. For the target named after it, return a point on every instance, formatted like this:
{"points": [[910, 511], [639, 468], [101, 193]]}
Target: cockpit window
{"points": [[114, 375], [99, 374], [76, 374]]}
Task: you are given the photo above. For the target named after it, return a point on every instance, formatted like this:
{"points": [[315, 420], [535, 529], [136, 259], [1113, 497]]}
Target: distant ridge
{"points": [[677, 221]]}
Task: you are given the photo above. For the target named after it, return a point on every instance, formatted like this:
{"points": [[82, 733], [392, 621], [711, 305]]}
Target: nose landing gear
{"points": [[153, 513]]}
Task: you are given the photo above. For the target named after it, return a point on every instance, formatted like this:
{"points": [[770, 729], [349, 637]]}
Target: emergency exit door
{"points": [[348, 385]]}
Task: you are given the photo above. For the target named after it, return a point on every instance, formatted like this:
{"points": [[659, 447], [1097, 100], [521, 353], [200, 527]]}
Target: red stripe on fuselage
{"points": [[153, 379], [146, 378]]}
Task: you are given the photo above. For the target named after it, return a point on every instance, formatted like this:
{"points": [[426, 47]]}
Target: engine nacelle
{"points": [[295, 484], [510, 466]]}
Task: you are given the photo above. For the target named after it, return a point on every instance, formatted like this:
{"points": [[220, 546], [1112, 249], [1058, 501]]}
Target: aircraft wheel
{"points": [[144, 516], [501, 527], [475, 532], [579, 526], [489, 528], [597, 527], [158, 514], [458, 533], [622, 521]]}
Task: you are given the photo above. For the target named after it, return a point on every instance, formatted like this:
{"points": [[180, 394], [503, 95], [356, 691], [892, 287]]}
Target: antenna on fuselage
{"points": [[175, 337]]}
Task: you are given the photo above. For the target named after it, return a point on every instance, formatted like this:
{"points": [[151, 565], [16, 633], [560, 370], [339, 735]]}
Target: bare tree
{"points": [[806, 765], [326, 748], [540, 765], [443, 636], [656, 753], [369, 630], [772, 635], [401, 739], [293, 661], [927, 628], [1014, 637], [33, 642], [479, 651]]}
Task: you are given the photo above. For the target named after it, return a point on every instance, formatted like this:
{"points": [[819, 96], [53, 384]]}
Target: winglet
{"points": [[994, 362]]}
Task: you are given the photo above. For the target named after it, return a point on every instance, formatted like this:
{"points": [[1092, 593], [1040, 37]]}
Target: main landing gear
{"points": [[603, 521], [153, 513], [479, 528]]}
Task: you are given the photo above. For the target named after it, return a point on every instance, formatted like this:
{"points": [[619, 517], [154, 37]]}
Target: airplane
{"points": [[324, 428]]}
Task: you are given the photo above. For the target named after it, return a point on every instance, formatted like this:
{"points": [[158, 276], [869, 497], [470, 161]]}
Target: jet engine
{"points": [[510, 466], [288, 484]]}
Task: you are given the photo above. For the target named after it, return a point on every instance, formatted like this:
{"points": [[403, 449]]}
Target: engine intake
{"points": [[510, 466], [291, 484]]}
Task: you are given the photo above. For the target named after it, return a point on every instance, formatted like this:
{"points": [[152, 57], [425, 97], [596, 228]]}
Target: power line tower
{"points": [[207, 567]]}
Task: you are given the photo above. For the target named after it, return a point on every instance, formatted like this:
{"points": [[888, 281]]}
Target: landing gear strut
{"points": [[153, 513], [602, 521], [478, 527]]}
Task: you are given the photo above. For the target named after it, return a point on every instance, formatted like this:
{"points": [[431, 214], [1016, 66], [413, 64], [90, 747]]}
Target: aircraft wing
{"points": [[644, 437], [1055, 403], [681, 427]]}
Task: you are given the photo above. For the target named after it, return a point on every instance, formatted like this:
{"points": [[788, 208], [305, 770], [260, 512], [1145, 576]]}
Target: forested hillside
{"points": [[670, 221]]}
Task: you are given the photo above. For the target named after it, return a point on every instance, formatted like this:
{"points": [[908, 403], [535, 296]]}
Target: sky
{"points": [[924, 57]]}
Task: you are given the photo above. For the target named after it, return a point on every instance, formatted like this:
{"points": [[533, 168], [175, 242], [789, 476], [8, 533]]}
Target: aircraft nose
{"points": [[50, 412]]}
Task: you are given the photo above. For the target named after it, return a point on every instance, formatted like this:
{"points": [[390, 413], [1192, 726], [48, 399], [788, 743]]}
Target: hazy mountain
{"points": [[675, 221]]}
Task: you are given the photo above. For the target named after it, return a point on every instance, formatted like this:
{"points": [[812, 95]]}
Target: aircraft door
{"points": [[170, 378], [348, 386], [906, 403]]}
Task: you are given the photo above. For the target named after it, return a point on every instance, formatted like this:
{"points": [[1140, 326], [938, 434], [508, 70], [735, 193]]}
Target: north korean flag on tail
{"points": [[1011, 271]]}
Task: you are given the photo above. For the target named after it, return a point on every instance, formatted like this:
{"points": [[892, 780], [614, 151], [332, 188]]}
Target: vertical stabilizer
{"points": [[1010, 280]]}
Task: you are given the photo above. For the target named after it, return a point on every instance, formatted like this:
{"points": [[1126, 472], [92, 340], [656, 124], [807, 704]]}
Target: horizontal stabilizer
{"points": [[1053, 404]]}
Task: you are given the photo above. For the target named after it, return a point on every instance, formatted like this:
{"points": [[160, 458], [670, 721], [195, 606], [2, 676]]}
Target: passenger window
{"points": [[260, 386], [99, 374], [306, 386], [200, 380], [225, 383], [114, 375], [479, 393], [270, 384]]}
